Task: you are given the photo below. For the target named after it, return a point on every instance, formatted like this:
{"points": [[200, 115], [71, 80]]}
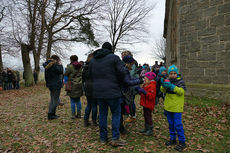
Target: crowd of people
{"points": [[9, 79], [110, 82]]}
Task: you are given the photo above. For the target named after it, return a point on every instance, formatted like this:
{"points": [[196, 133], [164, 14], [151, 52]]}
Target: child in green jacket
{"points": [[174, 89]]}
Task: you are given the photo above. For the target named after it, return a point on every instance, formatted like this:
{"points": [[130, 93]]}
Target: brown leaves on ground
{"points": [[25, 128]]}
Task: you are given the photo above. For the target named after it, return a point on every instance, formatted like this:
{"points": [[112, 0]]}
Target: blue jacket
{"points": [[53, 75], [108, 74]]}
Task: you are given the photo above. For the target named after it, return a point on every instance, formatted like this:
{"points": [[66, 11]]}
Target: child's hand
{"points": [[169, 85]]}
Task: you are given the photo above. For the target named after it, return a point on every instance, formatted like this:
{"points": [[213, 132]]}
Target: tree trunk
{"points": [[50, 42], [1, 63], [27, 74]]}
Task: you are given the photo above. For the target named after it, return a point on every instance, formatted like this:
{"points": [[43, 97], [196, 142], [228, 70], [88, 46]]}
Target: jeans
{"points": [[148, 116], [54, 95], [115, 107], [91, 105], [73, 102], [175, 125]]}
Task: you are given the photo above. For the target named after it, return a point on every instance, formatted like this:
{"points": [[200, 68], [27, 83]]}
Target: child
{"points": [[148, 95], [174, 105]]}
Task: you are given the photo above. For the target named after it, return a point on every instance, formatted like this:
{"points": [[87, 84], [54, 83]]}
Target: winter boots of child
{"points": [[148, 130]]}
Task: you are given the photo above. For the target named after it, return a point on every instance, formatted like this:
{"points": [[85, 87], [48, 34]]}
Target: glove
{"points": [[141, 90], [162, 80], [169, 85]]}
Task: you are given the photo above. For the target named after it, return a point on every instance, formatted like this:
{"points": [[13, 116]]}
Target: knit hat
{"points": [[107, 45], [162, 69], [172, 68], [150, 75], [128, 59]]}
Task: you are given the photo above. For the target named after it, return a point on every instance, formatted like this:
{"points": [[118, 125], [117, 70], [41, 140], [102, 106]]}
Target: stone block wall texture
{"points": [[202, 40]]}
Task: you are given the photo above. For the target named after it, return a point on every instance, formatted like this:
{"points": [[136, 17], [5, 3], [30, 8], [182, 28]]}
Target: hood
{"points": [[100, 53], [49, 64], [76, 65]]}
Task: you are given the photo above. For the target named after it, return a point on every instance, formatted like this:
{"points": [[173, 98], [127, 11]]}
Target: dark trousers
{"points": [[91, 106], [148, 116], [54, 100], [115, 107], [122, 127]]}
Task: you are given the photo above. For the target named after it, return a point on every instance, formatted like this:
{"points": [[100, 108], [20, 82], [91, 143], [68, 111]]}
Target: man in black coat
{"points": [[108, 73], [54, 81]]}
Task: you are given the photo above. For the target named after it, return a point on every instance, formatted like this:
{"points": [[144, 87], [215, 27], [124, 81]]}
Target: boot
{"points": [[144, 130], [180, 147], [73, 115], [95, 123], [78, 115], [149, 131], [52, 116], [86, 123]]}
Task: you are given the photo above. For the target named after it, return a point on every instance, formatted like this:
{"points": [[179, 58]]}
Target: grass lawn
{"points": [[24, 126]]}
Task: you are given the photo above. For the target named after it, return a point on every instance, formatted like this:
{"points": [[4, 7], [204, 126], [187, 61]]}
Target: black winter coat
{"points": [[108, 73], [53, 75], [87, 81]]}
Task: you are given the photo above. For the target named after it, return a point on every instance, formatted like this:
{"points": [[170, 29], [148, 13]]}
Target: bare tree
{"points": [[159, 49], [2, 15], [69, 20], [124, 21]]}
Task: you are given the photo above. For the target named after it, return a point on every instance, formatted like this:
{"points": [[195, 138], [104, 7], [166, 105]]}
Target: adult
{"points": [[10, 78], [74, 74], [5, 80], [53, 76], [107, 72], [35, 74], [132, 67], [88, 88]]}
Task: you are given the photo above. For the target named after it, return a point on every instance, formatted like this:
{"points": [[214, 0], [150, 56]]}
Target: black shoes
{"points": [[52, 116], [180, 147], [170, 143]]}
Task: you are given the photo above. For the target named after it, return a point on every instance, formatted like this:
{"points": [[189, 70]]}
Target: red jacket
{"points": [[148, 100]]}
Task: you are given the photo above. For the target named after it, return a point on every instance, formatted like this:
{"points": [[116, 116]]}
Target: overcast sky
{"points": [[155, 24]]}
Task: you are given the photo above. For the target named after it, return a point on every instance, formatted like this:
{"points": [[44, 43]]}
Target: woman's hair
{"points": [[127, 53], [90, 57], [55, 57], [73, 58]]}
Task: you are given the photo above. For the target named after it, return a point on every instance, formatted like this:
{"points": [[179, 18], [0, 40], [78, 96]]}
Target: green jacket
{"points": [[75, 76], [174, 100]]}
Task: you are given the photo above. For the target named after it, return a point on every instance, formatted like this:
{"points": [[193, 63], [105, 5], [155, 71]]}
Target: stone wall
{"points": [[203, 40]]}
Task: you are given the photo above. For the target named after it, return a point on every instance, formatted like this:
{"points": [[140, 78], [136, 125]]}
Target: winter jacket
{"points": [[74, 75], [87, 81], [148, 100], [107, 73], [128, 87], [174, 100], [53, 75]]}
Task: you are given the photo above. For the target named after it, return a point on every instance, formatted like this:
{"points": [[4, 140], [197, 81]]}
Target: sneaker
{"points": [[180, 147], [170, 143], [118, 142], [103, 142], [130, 119]]}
